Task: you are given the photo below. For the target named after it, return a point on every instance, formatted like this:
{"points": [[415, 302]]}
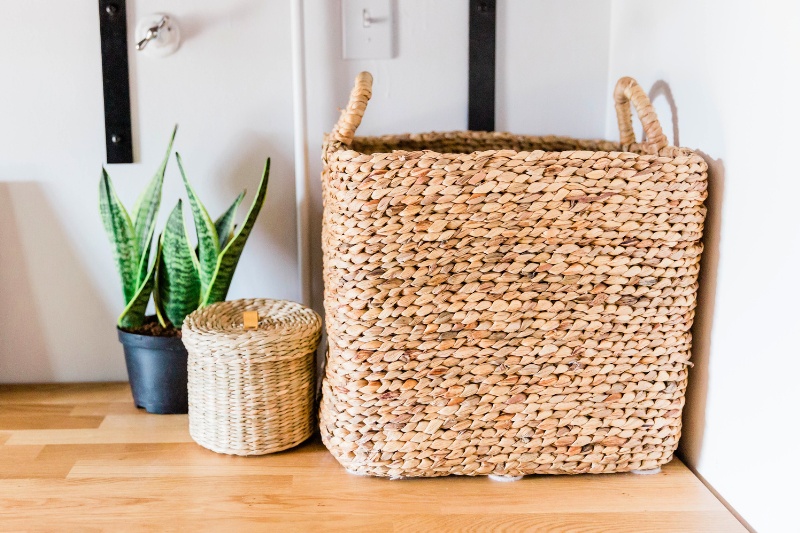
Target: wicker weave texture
{"points": [[251, 391], [508, 305]]}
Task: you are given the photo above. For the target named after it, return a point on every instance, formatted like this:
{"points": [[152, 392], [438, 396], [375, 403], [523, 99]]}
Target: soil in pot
{"points": [[156, 361]]}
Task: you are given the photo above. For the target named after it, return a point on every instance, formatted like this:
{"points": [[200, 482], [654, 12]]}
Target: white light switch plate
{"points": [[367, 29]]}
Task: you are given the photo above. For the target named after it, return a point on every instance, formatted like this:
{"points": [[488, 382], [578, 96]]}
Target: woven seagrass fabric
{"points": [[251, 391], [504, 304]]}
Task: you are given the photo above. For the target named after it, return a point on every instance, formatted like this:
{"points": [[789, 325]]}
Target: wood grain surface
{"points": [[82, 458]]}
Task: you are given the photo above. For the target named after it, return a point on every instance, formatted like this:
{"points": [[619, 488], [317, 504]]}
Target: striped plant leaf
{"points": [[224, 224], [121, 235], [145, 210], [229, 257], [177, 281], [157, 303], [207, 239], [133, 314], [144, 260]]}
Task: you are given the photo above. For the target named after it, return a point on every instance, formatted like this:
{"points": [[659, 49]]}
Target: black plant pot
{"points": [[157, 372]]}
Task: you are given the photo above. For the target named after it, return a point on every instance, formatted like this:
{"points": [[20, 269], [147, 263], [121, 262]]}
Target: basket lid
{"points": [[279, 321]]}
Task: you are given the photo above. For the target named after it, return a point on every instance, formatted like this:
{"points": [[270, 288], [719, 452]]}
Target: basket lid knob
{"points": [[250, 319]]}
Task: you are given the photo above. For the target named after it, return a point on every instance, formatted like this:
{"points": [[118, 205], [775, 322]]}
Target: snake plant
{"points": [[181, 278], [131, 240], [187, 277]]}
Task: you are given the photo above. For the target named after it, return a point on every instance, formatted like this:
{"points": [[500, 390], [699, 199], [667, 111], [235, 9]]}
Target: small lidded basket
{"points": [[251, 375]]}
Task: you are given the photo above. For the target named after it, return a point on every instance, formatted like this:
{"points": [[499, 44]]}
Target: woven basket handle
{"points": [[350, 119], [629, 92]]}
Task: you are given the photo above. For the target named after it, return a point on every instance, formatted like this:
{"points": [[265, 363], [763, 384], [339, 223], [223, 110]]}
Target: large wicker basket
{"points": [[504, 304], [251, 391]]}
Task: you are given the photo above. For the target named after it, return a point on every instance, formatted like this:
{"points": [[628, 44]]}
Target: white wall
{"points": [[552, 67], [229, 88], [733, 70]]}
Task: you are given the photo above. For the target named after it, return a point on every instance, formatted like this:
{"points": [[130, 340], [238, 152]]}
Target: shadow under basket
{"points": [[506, 305]]}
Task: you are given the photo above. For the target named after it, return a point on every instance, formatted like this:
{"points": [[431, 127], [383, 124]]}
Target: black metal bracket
{"points": [[482, 32], [116, 85]]}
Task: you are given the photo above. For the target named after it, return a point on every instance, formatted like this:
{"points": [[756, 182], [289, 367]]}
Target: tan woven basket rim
{"points": [[627, 93], [222, 321], [632, 150]]}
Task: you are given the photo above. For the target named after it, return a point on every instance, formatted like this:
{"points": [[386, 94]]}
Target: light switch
{"points": [[367, 29]]}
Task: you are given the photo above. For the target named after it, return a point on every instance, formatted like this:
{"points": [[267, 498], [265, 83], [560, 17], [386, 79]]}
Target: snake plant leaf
{"points": [[144, 260], [177, 280], [157, 303], [145, 210], [229, 257], [224, 224], [133, 314], [121, 235], [207, 239]]}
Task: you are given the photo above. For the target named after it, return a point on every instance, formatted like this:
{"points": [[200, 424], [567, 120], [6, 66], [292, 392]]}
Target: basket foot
{"points": [[648, 472], [500, 477], [354, 473]]}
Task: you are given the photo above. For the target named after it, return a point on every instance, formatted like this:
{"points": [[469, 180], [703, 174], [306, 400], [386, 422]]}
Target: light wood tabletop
{"points": [[82, 457]]}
